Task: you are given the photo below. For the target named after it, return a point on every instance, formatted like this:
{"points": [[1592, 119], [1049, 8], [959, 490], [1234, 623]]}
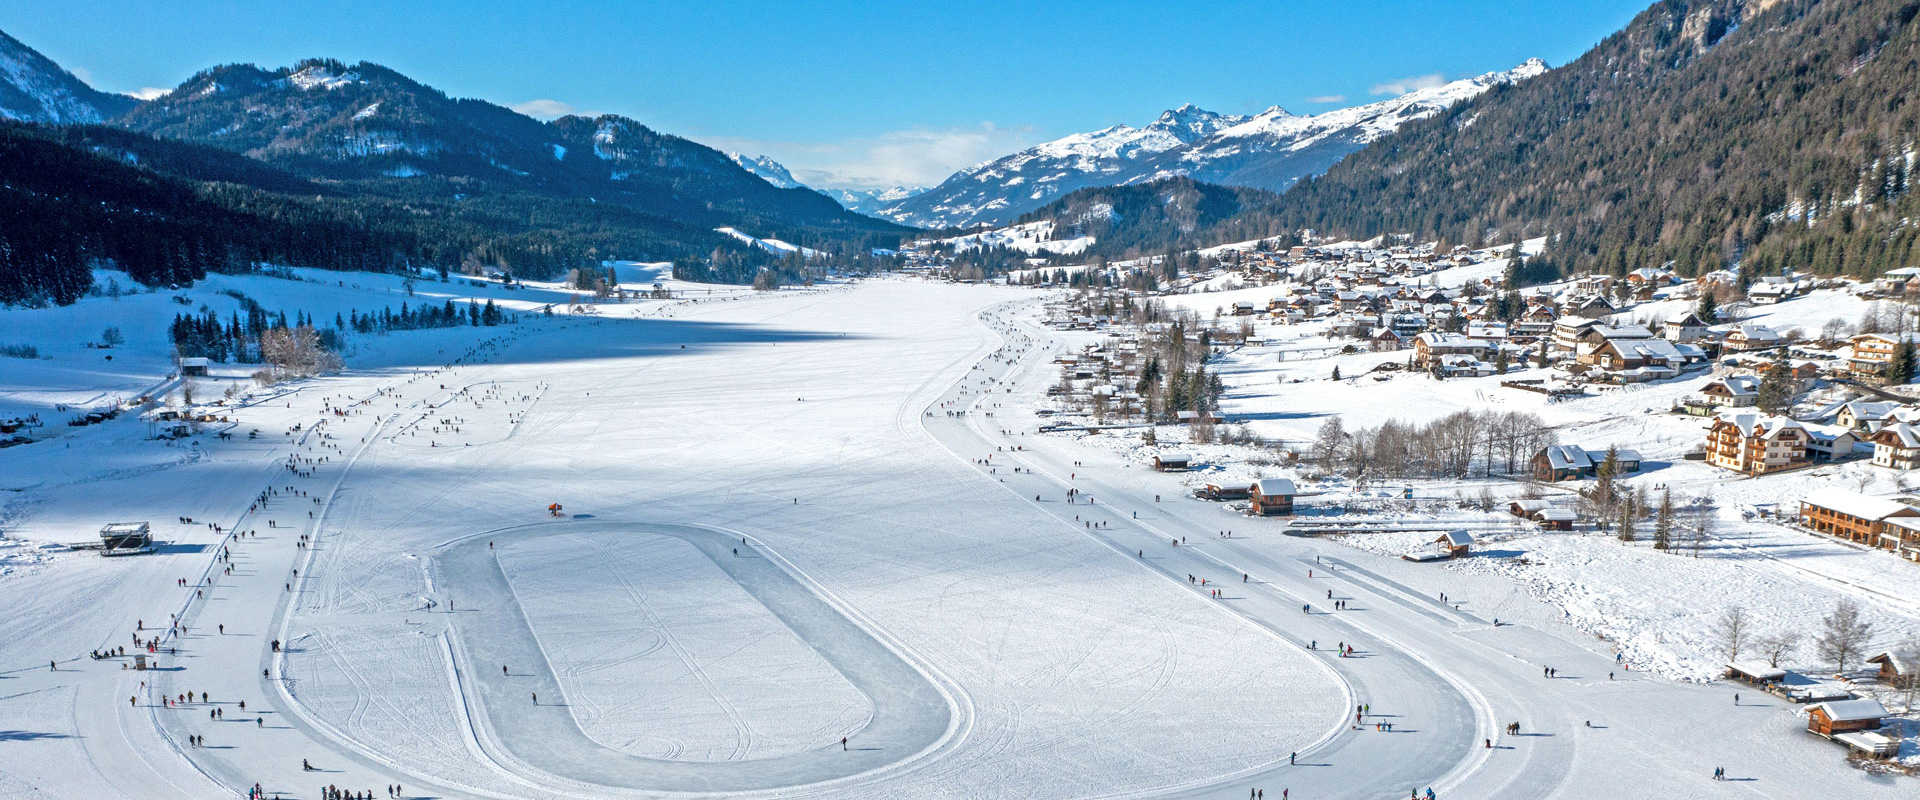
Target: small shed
{"points": [[1896, 667], [1455, 543], [1525, 509], [195, 367], [1555, 519], [1272, 497], [1172, 462], [1224, 491], [1845, 716]]}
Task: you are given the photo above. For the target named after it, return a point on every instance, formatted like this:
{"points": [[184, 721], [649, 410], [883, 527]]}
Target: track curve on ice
{"points": [[912, 714]]}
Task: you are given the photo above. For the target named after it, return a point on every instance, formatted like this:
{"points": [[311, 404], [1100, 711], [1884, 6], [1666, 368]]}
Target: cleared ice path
{"points": [[910, 713]]}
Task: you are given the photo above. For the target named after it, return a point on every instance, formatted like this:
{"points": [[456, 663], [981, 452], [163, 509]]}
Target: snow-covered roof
{"points": [[1534, 504], [1174, 457], [1619, 453], [1566, 456], [1907, 436], [1458, 538], [1855, 504], [1623, 332], [1555, 515], [1749, 423], [1274, 487], [1758, 670], [1857, 710]]}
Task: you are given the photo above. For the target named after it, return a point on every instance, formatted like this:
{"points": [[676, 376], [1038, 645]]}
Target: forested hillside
{"points": [[1780, 134], [1160, 217]]}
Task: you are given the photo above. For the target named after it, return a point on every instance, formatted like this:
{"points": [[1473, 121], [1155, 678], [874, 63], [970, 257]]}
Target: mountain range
{"points": [[1271, 150], [859, 201], [425, 179]]}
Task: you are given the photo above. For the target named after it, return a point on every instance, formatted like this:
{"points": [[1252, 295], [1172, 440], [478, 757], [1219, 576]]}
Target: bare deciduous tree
{"points": [[1731, 631], [1842, 634], [1778, 646]]}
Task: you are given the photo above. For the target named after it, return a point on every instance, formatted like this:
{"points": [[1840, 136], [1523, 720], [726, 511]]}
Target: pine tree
{"points": [[1336, 372], [1500, 362], [1627, 513], [1603, 490], [1709, 308], [1900, 368], [1776, 389], [1510, 278], [1663, 522]]}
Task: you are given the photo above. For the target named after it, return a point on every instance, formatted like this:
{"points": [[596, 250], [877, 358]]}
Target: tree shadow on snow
{"points": [[31, 736]]}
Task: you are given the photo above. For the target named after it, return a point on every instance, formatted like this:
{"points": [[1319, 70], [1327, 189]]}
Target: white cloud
{"points": [[549, 109], [82, 73], [149, 92], [1328, 98], [912, 157], [1410, 84]]}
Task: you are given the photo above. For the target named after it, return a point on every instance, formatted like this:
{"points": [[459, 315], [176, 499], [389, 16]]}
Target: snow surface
{"points": [[822, 429]]}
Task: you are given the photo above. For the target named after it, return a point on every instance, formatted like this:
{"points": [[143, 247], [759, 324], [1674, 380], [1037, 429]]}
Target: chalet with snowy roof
{"points": [[1272, 497], [1567, 331], [1462, 367], [1830, 442], [1873, 351], [1650, 276], [1685, 326], [1850, 515], [1172, 462], [1902, 537], [1637, 354], [1896, 446], [1766, 294], [1733, 391], [1751, 336], [1432, 345], [1566, 462], [1385, 340], [1866, 415], [1593, 307], [1755, 444], [1555, 519], [1897, 281]]}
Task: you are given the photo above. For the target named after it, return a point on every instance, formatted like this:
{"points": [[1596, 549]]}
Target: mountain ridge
{"points": [[1271, 150]]}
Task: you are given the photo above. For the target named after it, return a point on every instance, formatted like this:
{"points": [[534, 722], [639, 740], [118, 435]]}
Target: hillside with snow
{"points": [[34, 89]]}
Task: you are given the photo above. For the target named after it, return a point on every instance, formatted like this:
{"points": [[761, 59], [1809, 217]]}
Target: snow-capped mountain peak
{"points": [[1270, 150], [768, 169]]}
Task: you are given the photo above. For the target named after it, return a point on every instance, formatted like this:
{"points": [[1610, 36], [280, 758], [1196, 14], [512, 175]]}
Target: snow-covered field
{"points": [[912, 578]]}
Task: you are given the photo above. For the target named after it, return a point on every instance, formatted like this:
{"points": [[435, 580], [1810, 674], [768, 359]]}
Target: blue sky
{"points": [[846, 93]]}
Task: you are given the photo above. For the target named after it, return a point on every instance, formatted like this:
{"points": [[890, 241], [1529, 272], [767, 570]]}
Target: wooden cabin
{"points": [[1457, 544], [1555, 519], [195, 367], [1845, 716], [1224, 491], [1896, 667], [1172, 462], [1525, 509], [1272, 497]]}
